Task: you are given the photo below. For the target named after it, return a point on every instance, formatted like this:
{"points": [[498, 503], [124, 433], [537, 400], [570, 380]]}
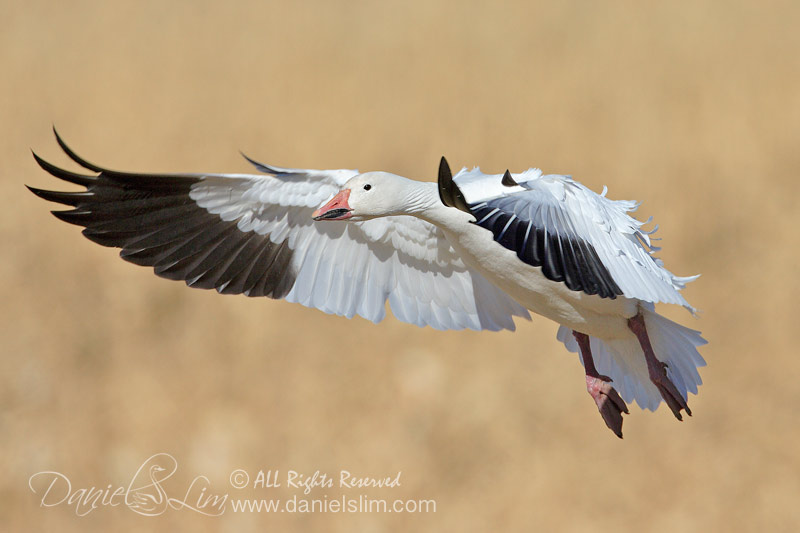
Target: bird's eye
{"points": [[367, 187]]}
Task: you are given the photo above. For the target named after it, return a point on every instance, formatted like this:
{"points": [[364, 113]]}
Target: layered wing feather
{"points": [[577, 236], [254, 235]]}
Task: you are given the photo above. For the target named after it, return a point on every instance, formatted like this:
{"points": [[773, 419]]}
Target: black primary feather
{"points": [[156, 223], [507, 180], [449, 193]]}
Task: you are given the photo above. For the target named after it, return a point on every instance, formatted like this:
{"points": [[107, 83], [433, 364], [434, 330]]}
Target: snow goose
{"points": [[471, 251]]}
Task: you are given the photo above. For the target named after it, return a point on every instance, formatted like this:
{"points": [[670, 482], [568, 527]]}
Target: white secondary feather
{"points": [[352, 269], [568, 207]]}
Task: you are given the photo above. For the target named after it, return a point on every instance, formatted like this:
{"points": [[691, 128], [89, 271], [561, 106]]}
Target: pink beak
{"points": [[336, 209]]}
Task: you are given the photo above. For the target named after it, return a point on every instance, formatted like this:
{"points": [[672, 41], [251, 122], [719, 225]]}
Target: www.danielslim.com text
{"points": [[344, 504]]}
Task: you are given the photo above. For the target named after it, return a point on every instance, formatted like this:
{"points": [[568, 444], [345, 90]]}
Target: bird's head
{"points": [[366, 196]]}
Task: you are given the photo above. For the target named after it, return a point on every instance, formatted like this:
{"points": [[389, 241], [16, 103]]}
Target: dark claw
{"points": [[671, 395], [609, 402]]}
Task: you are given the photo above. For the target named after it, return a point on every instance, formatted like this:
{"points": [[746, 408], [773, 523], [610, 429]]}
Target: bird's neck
{"points": [[423, 202], [420, 197]]}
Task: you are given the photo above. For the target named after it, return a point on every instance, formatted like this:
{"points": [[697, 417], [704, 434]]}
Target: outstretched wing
{"points": [[254, 235], [577, 236]]}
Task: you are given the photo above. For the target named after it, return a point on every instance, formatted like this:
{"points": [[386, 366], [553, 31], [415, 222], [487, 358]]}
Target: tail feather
{"points": [[623, 361]]}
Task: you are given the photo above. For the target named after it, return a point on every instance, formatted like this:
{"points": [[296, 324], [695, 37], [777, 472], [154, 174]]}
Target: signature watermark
{"points": [[145, 494], [150, 492]]}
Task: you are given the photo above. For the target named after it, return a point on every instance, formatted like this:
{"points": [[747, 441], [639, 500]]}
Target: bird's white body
{"points": [[600, 317]]}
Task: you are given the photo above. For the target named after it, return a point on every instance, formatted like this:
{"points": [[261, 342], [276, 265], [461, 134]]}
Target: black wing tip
{"points": [[445, 181], [249, 159], [507, 180], [72, 216], [252, 161], [75, 157], [41, 193], [449, 193], [261, 166], [66, 198], [445, 174], [66, 175]]}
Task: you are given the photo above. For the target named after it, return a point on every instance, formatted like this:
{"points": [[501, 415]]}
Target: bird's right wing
{"points": [[254, 235], [577, 236]]}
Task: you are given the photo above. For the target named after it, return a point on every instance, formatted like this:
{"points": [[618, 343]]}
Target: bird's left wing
{"points": [[254, 235]]}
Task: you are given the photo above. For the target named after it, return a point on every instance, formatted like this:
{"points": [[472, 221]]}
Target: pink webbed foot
{"points": [[609, 402], [607, 399]]}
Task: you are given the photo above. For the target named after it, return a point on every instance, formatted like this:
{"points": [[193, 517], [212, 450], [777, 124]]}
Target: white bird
{"points": [[473, 252]]}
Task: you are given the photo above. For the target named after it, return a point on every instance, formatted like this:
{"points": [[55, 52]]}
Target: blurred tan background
{"points": [[690, 107]]}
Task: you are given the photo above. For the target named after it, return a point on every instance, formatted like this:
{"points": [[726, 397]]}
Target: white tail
{"points": [[623, 360]]}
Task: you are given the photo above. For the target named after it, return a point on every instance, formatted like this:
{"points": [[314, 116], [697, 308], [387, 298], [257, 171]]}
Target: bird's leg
{"points": [[658, 370], [609, 402]]}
